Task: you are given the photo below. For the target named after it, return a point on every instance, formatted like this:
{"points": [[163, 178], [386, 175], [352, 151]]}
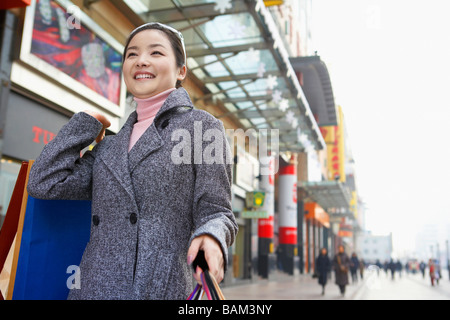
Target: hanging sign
{"points": [[254, 199]]}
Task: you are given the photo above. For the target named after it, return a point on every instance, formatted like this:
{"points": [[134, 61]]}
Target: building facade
{"points": [[373, 248]]}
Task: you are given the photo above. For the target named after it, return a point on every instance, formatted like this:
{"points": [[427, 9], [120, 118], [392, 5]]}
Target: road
{"points": [[373, 287], [408, 287]]}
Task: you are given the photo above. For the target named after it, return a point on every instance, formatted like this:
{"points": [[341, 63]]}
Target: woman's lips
{"points": [[143, 75]]}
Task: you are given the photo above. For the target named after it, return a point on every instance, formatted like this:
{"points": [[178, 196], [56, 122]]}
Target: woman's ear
{"points": [[182, 73]]}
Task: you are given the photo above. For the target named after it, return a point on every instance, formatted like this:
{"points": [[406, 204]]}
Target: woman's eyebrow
{"points": [[150, 46], [155, 45]]}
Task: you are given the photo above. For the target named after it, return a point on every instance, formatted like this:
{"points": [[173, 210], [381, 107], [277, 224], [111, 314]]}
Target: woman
{"points": [[323, 266], [150, 215], [432, 269], [354, 266], [341, 263]]}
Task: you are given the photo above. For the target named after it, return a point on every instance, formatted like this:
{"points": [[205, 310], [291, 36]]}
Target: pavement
{"points": [[374, 286], [281, 286], [406, 287]]}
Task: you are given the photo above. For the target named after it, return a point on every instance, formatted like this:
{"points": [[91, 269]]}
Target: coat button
{"points": [[95, 220], [133, 218]]}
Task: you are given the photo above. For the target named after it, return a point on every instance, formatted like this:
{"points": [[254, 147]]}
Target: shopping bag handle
{"points": [[209, 284], [200, 261]]}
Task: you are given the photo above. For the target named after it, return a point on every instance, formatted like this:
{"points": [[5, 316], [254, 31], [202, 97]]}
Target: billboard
{"points": [[334, 139]]}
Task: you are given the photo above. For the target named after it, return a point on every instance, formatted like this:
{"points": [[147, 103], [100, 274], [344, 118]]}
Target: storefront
{"points": [[317, 226], [29, 126], [334, 198]]}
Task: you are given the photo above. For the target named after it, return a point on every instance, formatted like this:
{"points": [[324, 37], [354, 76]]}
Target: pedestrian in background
{"points": [[432, 270], [323, 267], [437, 271], [399, 268], [392, 266], [341, 264], [386, 267], [354, 266], [379, 267], [422, 267], [362, 266]]}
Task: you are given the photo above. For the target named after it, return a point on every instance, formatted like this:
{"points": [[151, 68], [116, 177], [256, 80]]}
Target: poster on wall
{"points": [[62, 42]]}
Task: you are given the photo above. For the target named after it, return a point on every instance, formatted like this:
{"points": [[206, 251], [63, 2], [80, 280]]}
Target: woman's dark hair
{"points": [[175, 40]]}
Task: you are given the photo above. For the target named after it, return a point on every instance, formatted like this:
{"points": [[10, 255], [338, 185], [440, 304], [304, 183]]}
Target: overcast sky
{"points": [[389, 62]]}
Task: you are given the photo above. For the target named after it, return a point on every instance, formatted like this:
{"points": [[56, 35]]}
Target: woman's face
{"points": [[149, 67]]}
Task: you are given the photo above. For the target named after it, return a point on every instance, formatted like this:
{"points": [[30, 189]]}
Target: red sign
{"points": [[14, 4], [288, 235], [42, 135], [265, 227]]}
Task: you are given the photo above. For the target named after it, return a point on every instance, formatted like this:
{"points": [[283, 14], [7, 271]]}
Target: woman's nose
{"points": [[142, 61]]}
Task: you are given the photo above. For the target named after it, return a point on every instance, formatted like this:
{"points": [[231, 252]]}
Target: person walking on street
{"points": [[422, 267], [399, 268], [341, 264], [432, 269], [323, 267], [392, 266], [437, 271], [386, 267], [379, 267], [362, 266], [354, 266]]}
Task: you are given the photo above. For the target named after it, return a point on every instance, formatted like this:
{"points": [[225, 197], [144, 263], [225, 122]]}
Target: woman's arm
{"points": [[60, 172], [214, 221]]}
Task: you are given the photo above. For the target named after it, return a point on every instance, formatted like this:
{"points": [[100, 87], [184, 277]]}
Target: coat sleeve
{"points": [[59, 172], [212, 212]]}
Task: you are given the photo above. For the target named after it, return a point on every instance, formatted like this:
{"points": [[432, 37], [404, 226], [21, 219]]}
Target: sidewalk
{"points": [[281, 286]]}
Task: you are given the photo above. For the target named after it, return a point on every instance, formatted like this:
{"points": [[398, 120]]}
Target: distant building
{"points": [[430, 241], [374, 247]]}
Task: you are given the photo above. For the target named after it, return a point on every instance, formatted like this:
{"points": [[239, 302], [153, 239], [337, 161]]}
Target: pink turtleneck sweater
{"points": [[146, 111]]}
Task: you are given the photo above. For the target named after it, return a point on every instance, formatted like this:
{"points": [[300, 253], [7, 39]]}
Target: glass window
{"points": [[9, 170]]}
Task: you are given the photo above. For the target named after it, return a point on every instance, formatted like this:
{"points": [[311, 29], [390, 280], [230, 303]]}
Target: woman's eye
{"points": [[157, 52], [131, 54]]}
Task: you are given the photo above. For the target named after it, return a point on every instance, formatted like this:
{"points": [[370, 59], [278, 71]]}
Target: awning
{"points": [[328, 194], [314, 211], [317, 88], [235, 51]]}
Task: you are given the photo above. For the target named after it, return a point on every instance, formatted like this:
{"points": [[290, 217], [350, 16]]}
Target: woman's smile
{"points": [[142, 75]]}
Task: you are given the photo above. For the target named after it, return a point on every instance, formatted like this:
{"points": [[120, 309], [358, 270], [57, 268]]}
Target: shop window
{"points": [[9, 170]]}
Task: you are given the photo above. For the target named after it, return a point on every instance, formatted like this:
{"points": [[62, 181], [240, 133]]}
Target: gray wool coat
{"points": [[146, 207], [341, 259]]}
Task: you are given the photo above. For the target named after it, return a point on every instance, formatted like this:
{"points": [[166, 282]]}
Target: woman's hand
{"points": [[213, 256], [105, 122]]}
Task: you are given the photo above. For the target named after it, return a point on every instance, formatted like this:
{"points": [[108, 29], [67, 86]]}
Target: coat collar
{"points": [[176, 98], [151, 139], [120, 161]]}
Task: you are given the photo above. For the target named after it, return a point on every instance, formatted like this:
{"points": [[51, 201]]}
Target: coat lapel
{"points": [[147, 143], [116, 156], [151, 140]]}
